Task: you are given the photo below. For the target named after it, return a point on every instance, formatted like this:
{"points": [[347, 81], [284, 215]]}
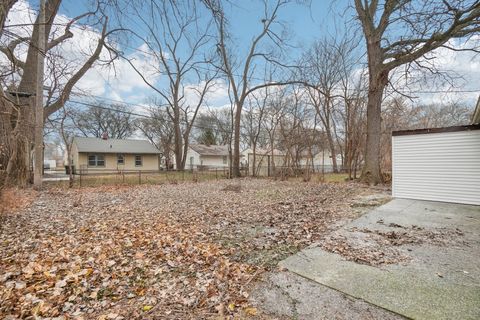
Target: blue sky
{"points": [[305, 24]]}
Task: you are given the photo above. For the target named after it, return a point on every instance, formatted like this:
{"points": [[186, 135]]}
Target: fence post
{"points": [[80, 179], [216, 173], [139, 177]]}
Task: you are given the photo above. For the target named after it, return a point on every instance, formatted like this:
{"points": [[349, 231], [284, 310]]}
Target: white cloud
{"points": [[217, 94], [459, 78], [116, 80]]}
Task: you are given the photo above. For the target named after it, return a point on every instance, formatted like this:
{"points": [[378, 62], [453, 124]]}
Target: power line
{"points": [[263, 135], [339, 89]]}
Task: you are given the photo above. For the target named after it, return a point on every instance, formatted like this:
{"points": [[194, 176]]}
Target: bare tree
{"points": [[274, 114], [17, 115], [159, 130], [241, 84], [67, 134], [323, 70], [178, 44], [114, 120], [253, 122], [400, 32]]}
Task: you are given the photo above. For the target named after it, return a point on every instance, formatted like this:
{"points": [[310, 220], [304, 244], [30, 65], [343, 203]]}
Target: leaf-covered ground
{"points": [[174, 251]]}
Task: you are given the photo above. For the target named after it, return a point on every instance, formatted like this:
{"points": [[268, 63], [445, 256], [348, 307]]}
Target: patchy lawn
{"points": [[167, 251]]}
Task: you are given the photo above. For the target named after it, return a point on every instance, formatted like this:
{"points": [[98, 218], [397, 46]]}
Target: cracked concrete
{"points": [[441, 280], [285, 295]]}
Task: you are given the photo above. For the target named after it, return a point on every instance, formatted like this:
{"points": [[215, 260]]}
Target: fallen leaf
{"points": [[147, 308]]}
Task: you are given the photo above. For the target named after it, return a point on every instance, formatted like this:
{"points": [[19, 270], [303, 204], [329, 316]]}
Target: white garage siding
{"points": [[439, 166]]}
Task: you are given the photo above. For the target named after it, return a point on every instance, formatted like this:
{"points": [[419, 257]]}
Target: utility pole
{"points": [[38, 137]]}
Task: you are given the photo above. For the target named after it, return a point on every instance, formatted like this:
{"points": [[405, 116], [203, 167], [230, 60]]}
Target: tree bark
{"points": [[378, 80], [236, 142], [331, 146], [39, 124]]}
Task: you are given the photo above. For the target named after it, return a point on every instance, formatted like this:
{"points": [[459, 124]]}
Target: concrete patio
{"points": [[437, 276]]}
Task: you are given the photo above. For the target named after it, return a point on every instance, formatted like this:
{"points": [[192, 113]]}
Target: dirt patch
{"points": [[380, 247]]}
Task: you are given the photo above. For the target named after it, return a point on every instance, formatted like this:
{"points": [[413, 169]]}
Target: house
{"points": [[201, 156], [322, 159], [52, 156], [265, 160], [91, 155]]}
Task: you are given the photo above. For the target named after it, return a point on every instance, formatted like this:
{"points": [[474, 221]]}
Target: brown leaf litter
{"points": [[170, 251]]}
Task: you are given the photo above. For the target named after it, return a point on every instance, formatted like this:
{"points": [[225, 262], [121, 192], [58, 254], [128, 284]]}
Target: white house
{"points": [[201, 156], [321, 159], [265, 160]]}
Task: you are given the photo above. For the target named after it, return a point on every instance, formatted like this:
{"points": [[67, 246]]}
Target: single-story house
{"points": [[91, 155], [321, 159], [265, 160], [201, 156], [52, 156]]}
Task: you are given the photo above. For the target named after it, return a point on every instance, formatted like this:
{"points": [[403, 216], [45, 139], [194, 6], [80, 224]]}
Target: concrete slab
{"points": [[285, 295], [441, 279]]}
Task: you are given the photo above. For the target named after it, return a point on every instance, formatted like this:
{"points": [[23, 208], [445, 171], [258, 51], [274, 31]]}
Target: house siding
{"points": [[213, 161], [149, 162], [204, 160], [437, 166]]}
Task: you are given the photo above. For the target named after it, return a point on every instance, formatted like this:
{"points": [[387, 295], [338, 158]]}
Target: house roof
{"points": [[436, 130], [261, 151], [114, 145], [212, 150]]}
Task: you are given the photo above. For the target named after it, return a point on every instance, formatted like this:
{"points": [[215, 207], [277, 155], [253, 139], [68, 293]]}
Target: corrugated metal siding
{"points": [[437, 166]]}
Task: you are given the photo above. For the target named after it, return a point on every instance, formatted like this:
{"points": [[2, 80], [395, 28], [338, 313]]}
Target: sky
{"points": [[304, 24]]}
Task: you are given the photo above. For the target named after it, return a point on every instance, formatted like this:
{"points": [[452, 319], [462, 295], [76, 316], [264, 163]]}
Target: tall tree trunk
{"points": [[331, 146], [178, 139], [371, 170], [236, 142]]}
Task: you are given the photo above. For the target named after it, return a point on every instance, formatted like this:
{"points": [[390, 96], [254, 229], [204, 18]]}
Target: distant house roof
{"points": [[114, 145], [212, 150], [261, 151]]}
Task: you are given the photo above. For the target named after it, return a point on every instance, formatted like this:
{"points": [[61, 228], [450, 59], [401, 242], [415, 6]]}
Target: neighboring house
{"points": [[92, 155], [265, 160], [201, 156], [321, 159], [52, 156]]}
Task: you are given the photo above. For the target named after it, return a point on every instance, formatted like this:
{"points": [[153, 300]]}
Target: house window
{"points": [[120, 159], [225, 159], [96, 160], [138, 161]]}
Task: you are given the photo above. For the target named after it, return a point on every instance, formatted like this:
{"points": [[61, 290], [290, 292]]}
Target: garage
{"points": [[440, 164]]}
